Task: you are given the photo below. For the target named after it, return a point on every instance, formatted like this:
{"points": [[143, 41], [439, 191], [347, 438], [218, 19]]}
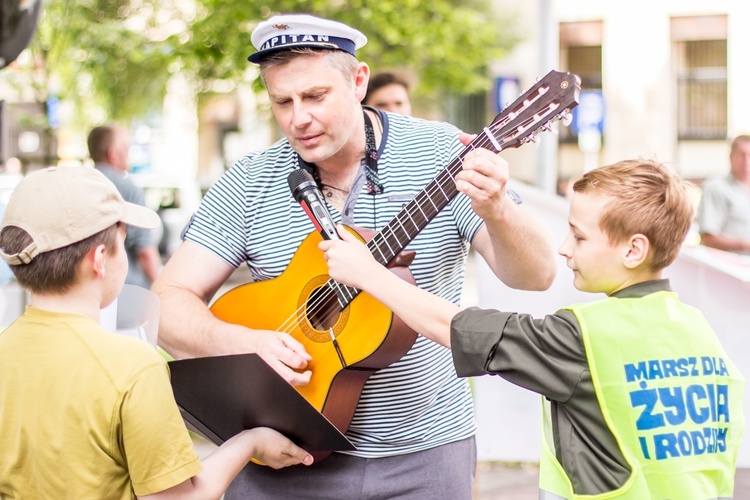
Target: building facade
{"points": [[664, 80]]}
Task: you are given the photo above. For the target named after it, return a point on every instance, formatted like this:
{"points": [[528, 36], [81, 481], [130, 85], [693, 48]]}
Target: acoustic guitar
{"points": [[349, 334]]}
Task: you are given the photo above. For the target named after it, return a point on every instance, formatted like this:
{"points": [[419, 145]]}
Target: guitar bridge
{"points": [[336, 346]]}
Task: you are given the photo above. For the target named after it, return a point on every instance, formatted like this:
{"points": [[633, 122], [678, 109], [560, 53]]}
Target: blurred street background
{"points": [[664, 80]]}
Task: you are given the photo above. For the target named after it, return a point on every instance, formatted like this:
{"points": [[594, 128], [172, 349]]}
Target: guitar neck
{"points": [[548, 100], [390, 241], [422, 209]]}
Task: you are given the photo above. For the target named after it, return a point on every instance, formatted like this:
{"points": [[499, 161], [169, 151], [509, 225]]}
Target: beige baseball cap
{"points": [[59, 206]]}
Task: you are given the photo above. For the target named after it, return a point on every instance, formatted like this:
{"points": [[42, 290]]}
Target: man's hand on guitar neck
{"points": [[516, 245], [483, 178]]}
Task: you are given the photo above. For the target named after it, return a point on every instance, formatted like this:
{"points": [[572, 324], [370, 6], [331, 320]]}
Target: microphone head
{"points": [[298, 180]]}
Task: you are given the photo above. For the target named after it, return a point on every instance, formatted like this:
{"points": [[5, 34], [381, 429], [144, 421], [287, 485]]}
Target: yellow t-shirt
{"points": [[86, 413]]}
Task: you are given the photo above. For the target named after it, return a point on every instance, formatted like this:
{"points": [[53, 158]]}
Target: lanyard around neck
{"points": [[370, 160]]}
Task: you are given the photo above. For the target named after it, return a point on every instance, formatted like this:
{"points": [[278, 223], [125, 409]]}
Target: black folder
{"points": [[219, 396]]}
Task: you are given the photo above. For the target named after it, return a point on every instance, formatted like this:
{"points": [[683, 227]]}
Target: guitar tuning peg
{"points": [[547, 127], [566, 118], [531, 138]]}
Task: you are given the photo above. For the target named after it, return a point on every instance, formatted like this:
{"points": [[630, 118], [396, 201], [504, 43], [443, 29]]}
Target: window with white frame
{"points": [[699, 54], [581, 54]]}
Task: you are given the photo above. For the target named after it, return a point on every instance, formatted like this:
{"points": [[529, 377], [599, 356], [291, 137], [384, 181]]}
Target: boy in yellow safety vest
{"points": [[640, 399]]}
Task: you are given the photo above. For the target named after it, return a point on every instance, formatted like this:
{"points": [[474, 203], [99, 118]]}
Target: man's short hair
{"points": [[344, 62], [649, 199], [740, 139], [99, 141]]}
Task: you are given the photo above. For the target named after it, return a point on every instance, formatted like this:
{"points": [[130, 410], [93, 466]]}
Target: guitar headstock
{"points": [[550, 99]]}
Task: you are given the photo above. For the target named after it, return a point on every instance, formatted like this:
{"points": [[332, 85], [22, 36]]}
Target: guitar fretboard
{"points": [[548, 100], [412, 218]]}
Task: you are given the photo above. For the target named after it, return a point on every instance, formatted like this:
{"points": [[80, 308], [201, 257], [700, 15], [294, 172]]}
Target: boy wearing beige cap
{"points": [[87, 413]]}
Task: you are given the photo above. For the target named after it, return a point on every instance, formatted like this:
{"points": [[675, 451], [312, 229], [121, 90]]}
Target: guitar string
{"points": [[331, 284], [292, 321], [480, 141]]}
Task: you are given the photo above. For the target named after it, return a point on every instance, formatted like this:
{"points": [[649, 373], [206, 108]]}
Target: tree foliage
{"points": [[114, 58], [447, 44], [102, 55]]}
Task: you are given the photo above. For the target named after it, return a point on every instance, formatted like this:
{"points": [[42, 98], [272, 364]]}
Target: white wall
{"points": [[639, 87]]}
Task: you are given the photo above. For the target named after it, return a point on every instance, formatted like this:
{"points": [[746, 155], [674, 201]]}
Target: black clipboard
{"points": [[219, 396]]}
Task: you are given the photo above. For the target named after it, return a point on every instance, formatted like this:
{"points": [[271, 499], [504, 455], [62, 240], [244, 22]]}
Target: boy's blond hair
{"points": [[649, 199]]}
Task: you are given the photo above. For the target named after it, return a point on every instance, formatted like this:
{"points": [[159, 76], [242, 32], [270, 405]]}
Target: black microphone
{"points": [[307, 194]]}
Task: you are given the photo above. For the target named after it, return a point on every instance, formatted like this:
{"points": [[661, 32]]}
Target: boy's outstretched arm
{"points": [[350, 263], [223, 465]]}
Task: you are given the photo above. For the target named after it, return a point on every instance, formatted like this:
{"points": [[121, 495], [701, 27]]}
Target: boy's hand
{"points": [[276, 450], [348, 259]]}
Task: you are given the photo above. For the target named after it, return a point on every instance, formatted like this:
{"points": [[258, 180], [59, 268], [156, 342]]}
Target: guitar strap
{"points": [[370, 161]]}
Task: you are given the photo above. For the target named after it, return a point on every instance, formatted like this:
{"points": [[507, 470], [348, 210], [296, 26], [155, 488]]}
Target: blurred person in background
{"points": [[389, 92], [724, 210], [108, 147]]}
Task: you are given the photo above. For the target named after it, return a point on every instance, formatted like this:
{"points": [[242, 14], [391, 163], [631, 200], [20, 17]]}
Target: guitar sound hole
{"points": [[323, 309]]}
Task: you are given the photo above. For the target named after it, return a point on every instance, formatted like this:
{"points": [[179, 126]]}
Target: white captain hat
{"points": [[303, 30]]}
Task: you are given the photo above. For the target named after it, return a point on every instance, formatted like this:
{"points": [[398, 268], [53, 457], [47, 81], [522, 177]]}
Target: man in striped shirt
{"points": [[414, 424]]}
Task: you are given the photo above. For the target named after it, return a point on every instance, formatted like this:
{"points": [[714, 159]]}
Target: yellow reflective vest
{"points": [[669, 394]]}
